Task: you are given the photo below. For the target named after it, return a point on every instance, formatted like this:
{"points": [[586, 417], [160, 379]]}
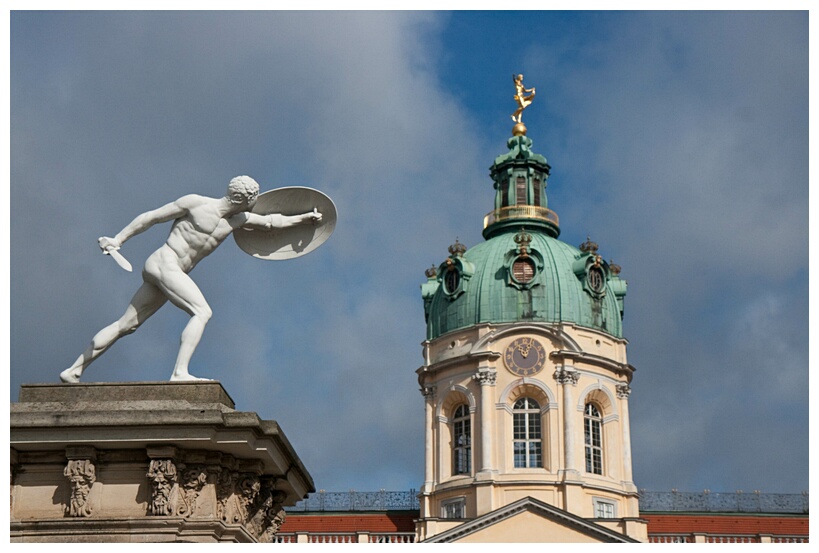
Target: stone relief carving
{"points": [[267, 514], [249, 487], [164, 487], [81, 474], [185, 484], [565, 376], [623, 391], [487, 377], [193, 481], [235, 494], [225, 483]]}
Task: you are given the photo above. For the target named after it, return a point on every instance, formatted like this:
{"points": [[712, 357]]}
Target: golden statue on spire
{"points": [[520, 97]]}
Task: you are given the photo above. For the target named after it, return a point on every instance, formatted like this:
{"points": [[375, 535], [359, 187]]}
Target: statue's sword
{"points": [[121, 261]]}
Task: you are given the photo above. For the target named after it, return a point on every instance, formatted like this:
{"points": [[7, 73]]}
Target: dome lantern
{"points": [[519, 179]]}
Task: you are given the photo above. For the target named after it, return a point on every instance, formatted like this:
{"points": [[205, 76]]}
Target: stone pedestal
{"points": [[147, 462]]}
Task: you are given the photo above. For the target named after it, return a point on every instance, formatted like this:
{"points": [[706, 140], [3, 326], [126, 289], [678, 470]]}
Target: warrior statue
{"points": [[200, 224]]}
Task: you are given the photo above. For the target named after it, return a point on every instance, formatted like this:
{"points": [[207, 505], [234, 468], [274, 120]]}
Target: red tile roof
{"points": [[345, 522], [657, 524], [726, 524]]}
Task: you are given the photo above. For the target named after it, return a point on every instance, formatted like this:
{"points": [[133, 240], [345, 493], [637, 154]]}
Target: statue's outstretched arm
{"points": [[143, 222], [276, 220]]}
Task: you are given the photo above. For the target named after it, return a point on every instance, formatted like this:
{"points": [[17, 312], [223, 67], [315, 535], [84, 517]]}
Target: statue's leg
{"points": [[145, 303], [183, 293]]}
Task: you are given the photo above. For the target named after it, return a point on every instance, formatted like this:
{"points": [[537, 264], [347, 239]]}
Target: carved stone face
{"points": [[242, 192], [246, 201]]}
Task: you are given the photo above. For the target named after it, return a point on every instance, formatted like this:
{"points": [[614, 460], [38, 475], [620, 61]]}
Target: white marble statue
{"points": [[200, 224]]}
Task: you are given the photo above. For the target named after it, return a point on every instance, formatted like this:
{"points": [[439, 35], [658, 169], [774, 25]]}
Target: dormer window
{"points": [[452, 280]]}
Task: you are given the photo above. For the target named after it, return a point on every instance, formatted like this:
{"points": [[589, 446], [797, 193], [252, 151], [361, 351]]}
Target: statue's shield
{"points": [[294, 241]]}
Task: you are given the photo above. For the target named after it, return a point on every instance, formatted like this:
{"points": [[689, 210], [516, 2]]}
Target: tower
{"points": [[525, 378]]}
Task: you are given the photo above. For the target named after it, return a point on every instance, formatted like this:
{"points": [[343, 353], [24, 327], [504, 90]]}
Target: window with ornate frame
{"points": [[523, 270], [604, 508], [526, 431], [454, 508], [452, 280], [592, 431], [461, 441]]}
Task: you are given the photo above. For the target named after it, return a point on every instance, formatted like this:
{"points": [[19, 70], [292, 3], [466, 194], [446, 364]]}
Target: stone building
{"points": [[525, 377], [147, 462]]}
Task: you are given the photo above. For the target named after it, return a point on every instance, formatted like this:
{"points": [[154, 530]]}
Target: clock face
{"points": [[525, 356]]}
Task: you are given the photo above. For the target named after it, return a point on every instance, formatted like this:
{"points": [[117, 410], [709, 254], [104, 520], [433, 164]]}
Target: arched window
{"points": [[527, 434], [461, 441], [592, 422]]}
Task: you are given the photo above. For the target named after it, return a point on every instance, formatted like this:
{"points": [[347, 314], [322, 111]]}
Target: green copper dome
{"points": [[522, 272]]}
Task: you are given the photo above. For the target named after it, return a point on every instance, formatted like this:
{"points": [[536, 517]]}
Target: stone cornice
{"points": [[562, 356], [471, 357], [191, 415]]}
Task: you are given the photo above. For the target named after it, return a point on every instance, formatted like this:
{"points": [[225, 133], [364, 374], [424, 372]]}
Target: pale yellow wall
{"points": [[455, 360], [35, 491], [526, 527]]}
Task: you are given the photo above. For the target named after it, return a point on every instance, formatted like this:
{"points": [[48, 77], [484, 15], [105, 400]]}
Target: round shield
{"points": [[295, 241]]}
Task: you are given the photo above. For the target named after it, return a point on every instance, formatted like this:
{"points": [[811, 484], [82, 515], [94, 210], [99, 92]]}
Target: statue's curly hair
{"points": [[244, 185]]}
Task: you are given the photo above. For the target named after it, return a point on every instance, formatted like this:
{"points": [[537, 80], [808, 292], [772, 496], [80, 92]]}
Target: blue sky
{"points": [[678, 142]]}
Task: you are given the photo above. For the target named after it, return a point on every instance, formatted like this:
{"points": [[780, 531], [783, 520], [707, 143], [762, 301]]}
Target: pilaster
{"points": [[487, 377]]}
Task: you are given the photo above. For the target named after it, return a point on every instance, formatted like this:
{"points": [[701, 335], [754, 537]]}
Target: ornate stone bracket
{"points": [[236, 495], [194, 478], [81, 474], [179, 478], [267, 514]]}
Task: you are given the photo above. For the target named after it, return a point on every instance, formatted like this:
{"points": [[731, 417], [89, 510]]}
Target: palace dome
{"points": [[522, 272]]}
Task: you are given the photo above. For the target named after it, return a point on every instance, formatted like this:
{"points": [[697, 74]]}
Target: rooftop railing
{"points": [[521, 212], [358, 501], [344, 537], [739, 502]]}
